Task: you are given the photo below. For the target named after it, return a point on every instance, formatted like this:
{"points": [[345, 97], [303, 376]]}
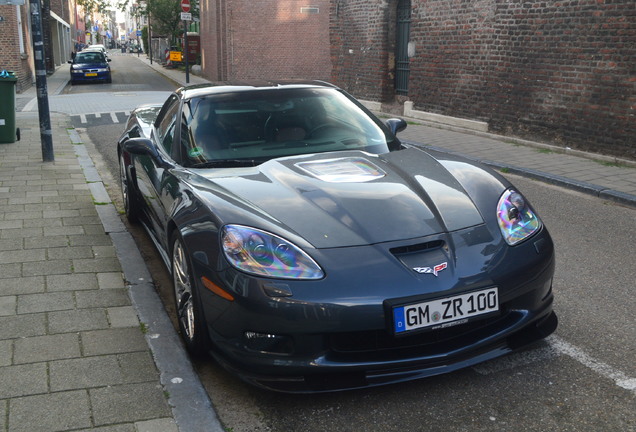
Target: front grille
{"points": [[381, 344]]}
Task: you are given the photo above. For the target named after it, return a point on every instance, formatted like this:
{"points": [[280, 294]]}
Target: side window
{"points": [[167, 123]]}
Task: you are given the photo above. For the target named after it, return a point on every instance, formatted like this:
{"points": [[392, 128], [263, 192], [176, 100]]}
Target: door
{"points": [[402, 47]]}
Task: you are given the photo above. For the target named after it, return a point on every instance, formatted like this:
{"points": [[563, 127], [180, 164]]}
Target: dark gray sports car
{"points": [[313, 251]]}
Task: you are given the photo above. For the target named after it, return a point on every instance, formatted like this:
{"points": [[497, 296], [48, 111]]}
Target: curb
{"points": [[190, 403]]}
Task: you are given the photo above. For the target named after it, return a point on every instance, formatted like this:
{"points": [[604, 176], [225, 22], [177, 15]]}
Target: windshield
{"points": [[89, 57], [259, 125]]}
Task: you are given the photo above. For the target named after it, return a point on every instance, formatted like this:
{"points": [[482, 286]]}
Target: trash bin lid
{"points": [[7, 76]]}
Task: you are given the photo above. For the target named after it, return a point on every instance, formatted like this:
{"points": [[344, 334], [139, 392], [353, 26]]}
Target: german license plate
{"points": [[90, 74], [445, 312]]}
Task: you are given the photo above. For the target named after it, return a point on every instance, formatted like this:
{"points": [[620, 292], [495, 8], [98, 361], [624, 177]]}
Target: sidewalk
{"points": [[85, 343]]}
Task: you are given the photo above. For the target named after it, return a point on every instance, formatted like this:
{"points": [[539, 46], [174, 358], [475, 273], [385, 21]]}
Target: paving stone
{"points": [[110, 280], [102, 298], [87, 372], [4, 410], [71, 282], [22, 285], [47, 267], [104, 251], [22, 380], [20, 256], [10, 244], [46, 242], [10, 270], [129, 402], [124, 316], [45, 348], [110, 341], [96, 265], [90, 240], [163, 425], [77, 320], [138, 367], [6, 352], [33, 303], [50, 412], [21, 233], [22, 326], [68, 252], [7, 305]]}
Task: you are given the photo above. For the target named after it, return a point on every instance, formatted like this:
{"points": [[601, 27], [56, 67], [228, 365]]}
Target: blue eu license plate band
{"points": [[444, 311]]}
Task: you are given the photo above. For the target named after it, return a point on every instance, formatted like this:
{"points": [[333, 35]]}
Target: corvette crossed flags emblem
{"points": [[429, 270]]}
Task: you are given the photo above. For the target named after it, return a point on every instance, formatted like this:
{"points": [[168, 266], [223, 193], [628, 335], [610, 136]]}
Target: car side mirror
{"points": [[70, 61], [143, 147], [396, 125]]}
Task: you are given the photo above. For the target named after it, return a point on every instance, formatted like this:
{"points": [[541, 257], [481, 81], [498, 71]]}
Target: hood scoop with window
{"points": [[342, 170]]}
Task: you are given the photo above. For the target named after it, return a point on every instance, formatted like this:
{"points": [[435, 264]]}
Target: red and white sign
{"points": [[185, 5]]}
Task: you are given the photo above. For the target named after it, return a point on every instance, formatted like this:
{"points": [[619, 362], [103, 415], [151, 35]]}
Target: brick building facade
{"points": [[247, 39], [15, 44], [558, 71]]}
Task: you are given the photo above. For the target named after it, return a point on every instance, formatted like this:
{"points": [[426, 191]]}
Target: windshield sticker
{"points": [[195, 152]]}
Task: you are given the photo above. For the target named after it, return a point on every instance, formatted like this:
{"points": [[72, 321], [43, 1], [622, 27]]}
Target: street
{"points": [[583, 378]]}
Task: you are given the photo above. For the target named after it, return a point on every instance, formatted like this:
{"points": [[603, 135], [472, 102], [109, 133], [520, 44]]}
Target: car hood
{"points": [[354, 198]]}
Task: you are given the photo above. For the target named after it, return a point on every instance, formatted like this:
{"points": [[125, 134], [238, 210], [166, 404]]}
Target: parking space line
{"points": [[555, 347], [83, 118], [622, 380], [114, 118]]}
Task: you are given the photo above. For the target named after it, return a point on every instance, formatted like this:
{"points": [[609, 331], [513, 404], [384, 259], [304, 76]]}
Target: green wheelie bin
{"points": [[8, 131]]}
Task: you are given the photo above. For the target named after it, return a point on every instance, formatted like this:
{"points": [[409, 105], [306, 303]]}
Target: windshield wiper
{"points": [[227, 163]]}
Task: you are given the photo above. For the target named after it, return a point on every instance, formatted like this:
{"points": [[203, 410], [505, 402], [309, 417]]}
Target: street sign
{"points": [[185, 5], [186, 16]]}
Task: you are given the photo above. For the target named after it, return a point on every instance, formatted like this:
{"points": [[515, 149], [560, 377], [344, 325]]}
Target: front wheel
{"points": [[188, 306]]}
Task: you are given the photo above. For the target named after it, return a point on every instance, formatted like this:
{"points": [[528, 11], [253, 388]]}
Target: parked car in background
{"points": [[90, 65], [312, 251]]}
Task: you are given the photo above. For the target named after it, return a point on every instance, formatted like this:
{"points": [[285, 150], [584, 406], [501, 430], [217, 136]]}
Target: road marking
{"points": [[622, 380], [555, 347], [113, 117], [83, 118], [514, 360]]}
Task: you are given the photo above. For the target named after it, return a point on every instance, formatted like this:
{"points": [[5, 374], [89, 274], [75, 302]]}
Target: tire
{"points": [[130, 203], [192, 324]]}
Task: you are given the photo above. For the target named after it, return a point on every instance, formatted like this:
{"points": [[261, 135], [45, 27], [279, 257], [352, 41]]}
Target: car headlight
{"points": [[261, 253], [516, 220]]}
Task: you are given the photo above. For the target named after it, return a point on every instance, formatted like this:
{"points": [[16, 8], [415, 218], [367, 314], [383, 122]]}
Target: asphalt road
{"points": [[580, 379]]}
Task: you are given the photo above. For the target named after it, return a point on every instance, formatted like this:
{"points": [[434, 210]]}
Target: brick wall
{"points": [[556, 71], [266, 39], [12, 59], [361, 56]]}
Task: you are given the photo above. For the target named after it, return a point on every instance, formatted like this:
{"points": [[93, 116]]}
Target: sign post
{"points": [[46, 135], [185, 11]]}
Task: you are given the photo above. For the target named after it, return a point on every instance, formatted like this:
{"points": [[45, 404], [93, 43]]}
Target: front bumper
{"points": [[89, 76], [348, 343]]}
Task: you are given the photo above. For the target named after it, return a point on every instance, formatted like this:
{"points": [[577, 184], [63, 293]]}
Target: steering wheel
{"points": [[321, 127]]}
